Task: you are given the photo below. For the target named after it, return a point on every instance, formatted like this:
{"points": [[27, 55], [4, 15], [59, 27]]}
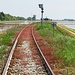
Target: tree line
{"points": [[8, 17]]}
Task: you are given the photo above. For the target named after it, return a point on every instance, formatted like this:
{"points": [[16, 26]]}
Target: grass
{"points": [[63, 45], [72, 30], [5, 39], [65, 48], [66, 30], [2, 49]]}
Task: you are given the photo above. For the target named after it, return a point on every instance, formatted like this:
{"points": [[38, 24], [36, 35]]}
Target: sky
{"points": [[53, 9]]}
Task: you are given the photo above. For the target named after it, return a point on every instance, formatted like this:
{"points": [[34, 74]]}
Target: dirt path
{"points": [[26, 59]]}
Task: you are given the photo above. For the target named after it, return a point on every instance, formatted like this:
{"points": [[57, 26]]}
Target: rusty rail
{"points": [[47, 66], [4, 71]]}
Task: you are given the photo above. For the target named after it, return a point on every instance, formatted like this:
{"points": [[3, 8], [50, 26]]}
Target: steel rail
{"points": [[4, 71], [47, 66]]}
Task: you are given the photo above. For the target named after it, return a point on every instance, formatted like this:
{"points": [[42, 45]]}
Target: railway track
{"points": [[26, 57]]}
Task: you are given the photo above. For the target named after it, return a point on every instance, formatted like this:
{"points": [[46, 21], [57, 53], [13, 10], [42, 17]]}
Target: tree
{"points": [[20, 18], [9, 17], [34, 17], [29, 18], [2, 16], [46, 19]]}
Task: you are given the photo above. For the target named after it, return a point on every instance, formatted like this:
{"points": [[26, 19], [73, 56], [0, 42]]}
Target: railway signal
{"points": [[53, 25], [41, 6]]}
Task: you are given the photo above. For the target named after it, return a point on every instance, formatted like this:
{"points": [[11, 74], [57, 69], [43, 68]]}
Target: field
{"points": [[62, 44]]}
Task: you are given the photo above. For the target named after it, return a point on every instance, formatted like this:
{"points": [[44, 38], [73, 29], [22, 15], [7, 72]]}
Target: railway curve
{"points": [[24, 58]]}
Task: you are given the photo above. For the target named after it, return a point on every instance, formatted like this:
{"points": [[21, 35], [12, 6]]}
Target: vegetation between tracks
{"points": [[62, 45]]}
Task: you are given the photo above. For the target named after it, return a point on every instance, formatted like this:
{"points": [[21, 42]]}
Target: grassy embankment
{"points": [[68, 31], [62, 44], [6, 40]]}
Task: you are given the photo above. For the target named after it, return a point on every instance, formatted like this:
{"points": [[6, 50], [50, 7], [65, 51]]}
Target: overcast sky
{"points": [[54, 9]]}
